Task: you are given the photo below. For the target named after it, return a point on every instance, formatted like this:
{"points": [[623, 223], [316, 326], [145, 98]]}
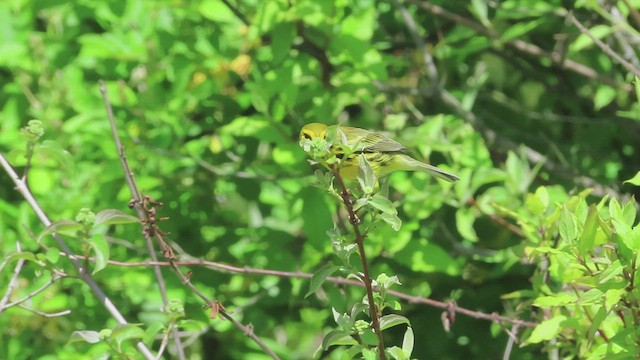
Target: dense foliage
{"points": [[531, 255]]}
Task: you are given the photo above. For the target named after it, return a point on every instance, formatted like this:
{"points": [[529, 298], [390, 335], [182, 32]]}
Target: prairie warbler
{"points": [[348, 144]]}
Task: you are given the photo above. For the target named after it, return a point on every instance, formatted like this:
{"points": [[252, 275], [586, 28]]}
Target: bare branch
{"points": [[332, 279], [141, 214]]}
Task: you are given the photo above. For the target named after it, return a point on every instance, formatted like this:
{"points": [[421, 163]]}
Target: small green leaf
{"points": [[92, 337], [29, 256], [53, 255], [591, 297], [603, 96], [392, 320], [612, 297], [337, 337], [366, 177], [635, 180], [407, 342], [465, 217], [320, 276], [63, 227], [383, 204], [629, 212], [126, 332], [113, 217], [610, 272], [557, 300], [546, 330], [392, 220], [588, 236], [100, 247], [596, 321], [567, 226], [534, 205]]}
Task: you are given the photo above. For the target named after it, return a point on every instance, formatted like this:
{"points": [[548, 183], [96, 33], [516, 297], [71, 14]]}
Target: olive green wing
{"points": [[370, 141]]}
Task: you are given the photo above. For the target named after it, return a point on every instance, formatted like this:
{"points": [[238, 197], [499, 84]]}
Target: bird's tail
{"points": [[430, 169]]}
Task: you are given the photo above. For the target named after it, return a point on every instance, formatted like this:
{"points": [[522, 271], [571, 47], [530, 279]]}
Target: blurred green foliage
{"points": [[209, 97]]}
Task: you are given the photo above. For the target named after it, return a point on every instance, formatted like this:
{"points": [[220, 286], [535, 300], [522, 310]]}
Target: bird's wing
{"points": [[370, 141]]}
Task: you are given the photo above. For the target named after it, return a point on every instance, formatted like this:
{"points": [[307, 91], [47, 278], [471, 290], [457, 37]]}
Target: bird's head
{"points": [[313, 131]]}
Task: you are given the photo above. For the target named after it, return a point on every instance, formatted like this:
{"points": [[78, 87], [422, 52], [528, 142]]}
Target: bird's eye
{"points": [[307, 136]]}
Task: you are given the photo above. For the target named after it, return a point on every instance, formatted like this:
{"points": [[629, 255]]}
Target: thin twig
{"points": [[53, 279], [84, 275], [353, 219], [513, 338], [141, 214], [146, 211], [237, 13], [13, 281], [332, 279], [604, 47], [44, 314]]}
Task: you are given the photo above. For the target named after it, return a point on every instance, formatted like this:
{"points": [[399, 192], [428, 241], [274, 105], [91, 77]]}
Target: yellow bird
{"points": [[384, 155]]}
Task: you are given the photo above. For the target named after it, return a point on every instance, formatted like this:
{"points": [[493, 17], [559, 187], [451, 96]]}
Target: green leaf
{"points": [[591, 297], [360, 24], [337, 337], [53, 255], [604, 96], [282, 39], [521, 28], [407, 342], [366, 177], [596, 321], [567, 226], [480, 9], [63, 227], [635, 180], [320, 276], [89, 336], [126, 332], [113, 217], [29, 256], [534, 205], [629, 212], [383, 204], [465, 217], [392, 220], [610, 272], [612, 297], [556, 300], [100, 247], [391, 320], [546, 330], [585, 244]]}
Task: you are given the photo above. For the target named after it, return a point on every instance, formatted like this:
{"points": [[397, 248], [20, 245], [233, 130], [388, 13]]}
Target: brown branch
{"points": [[366, 278], [141, 214], [146, 210], [332, 279]]}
